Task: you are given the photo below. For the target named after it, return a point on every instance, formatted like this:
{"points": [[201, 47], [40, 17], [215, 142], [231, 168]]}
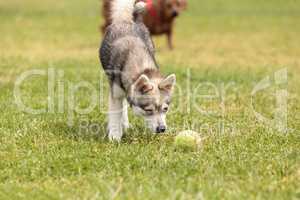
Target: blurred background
{"points": [[209, 33]]}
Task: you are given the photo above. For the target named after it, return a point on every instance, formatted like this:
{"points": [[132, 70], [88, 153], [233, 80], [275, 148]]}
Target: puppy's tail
{"points": [[126, 10]]}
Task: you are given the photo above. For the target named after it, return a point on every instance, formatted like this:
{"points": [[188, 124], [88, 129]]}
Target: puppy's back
{"points": [[125, 37]]}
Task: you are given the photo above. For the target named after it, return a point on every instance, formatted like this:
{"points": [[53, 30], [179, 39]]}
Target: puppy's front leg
{"points": [[115, 131], [125, 120]]}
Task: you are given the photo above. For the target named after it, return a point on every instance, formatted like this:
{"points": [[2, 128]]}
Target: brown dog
{"points": [[159, 18]]}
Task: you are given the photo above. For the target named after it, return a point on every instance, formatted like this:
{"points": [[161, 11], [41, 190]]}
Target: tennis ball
{"points": [[188, 140]]}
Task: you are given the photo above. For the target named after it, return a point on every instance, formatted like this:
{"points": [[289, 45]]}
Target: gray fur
{"points": [[126, 51]]}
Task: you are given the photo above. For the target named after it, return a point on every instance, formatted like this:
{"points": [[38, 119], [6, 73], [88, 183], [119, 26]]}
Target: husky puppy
{"points": [[127, 56]]}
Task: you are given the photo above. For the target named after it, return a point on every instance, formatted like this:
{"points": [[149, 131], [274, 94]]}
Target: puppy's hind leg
{"points": [[115, 131]]}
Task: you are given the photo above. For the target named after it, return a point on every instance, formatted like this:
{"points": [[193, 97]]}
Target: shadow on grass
{"points": [[78, 133], [97, 132]]}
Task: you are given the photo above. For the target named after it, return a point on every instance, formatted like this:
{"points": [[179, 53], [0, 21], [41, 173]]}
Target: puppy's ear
{"points": [[143, 85], [168, 83]]}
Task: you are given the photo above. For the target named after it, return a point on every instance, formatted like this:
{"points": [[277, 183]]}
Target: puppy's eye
{"points": [[165, 109], [149, 111]]}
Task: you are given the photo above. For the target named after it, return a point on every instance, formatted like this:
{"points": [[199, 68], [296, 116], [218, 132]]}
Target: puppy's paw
{"points": [[114, 137], [115, 134], [126, 125]]}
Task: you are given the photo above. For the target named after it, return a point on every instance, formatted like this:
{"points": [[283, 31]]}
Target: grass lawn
{"points": [[223, 49]]}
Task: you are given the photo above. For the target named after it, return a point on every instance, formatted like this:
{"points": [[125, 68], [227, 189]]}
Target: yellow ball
{"points": [[188, 140]]}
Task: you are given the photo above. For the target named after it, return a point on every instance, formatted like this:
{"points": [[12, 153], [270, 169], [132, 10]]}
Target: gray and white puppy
{"points": [[127, 56]]}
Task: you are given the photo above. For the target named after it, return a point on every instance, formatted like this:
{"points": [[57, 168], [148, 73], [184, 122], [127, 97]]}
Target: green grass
{"points": [[217, 42]]}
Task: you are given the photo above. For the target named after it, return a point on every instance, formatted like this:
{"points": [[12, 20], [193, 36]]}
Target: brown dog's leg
{"points": [[170, 39], [103, 27], [106, 7]]}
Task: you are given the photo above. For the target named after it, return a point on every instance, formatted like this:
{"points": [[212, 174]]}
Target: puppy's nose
{"points": [[160, 129]]}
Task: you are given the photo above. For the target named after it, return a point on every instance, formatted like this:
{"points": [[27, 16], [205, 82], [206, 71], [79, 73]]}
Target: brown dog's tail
{"points": [[126, 10]]}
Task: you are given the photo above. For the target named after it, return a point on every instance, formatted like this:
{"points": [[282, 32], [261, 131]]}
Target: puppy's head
{"points": [[150, 97], [173, 8]]}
